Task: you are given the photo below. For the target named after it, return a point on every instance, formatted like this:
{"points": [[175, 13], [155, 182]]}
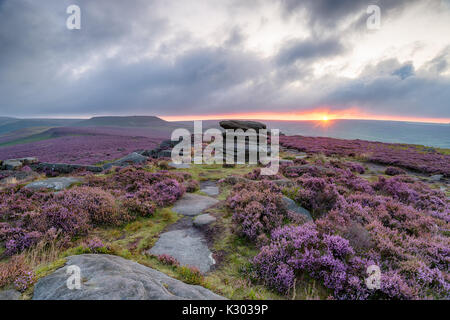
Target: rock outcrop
{"points": [[56, 184], [107, 277], [15, 164], [240, 124], [131, 159]]}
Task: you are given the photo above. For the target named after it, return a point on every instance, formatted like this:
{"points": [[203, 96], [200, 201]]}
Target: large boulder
{"points": [[56, 184], [107, 277], [12, 164], [15, 164], [240, 124], [187, 246]]}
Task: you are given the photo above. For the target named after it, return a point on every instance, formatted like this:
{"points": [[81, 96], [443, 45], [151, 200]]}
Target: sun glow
{"points": [[321, 115]]}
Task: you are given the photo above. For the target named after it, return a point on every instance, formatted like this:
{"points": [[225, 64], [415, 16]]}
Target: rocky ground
{"points": [[191, 245]]}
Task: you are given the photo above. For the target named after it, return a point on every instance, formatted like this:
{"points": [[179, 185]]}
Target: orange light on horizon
{"points": [[322, 115]]}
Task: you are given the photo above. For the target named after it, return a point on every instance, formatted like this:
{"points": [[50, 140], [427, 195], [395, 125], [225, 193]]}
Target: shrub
{"points": [[192, 186], [167, 259], [191, 275], [394, 171], [16, 272], [99, 205], [317, 195], [257, 208]]}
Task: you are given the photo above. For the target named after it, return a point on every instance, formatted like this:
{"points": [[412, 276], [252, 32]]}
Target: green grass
{"points": [[205, 172]]}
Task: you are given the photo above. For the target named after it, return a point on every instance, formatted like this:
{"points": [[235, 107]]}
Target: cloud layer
{"points": [[173, 58]]}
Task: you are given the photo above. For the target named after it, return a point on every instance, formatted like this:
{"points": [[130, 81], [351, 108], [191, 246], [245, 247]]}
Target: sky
{"points": [[211, 59]]}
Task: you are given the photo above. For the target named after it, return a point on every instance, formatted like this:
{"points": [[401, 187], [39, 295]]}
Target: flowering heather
{"points": [[28, 217], [256, 175], [407, 156], [399, 224], [80, 149], [167, 259], [23, 282], [394, 171], [192, 186], [257, 208]]}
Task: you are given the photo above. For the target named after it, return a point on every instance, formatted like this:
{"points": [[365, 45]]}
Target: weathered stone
{"points": [[12, 164], [57, 184], [239, 124], [193, 204], [107, 277], [10, 294], [132, 158], [293, 206], [209, 187], [203, 220], [179, 166], [187, 246], [436, 177], [28, 160]]}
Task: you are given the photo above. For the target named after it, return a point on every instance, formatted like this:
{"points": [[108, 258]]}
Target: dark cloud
{"points": [[308, 49], [330, 13], [136, 61]]}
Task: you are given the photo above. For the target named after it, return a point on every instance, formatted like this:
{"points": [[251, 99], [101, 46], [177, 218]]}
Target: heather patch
{"points": [[406, 156]]}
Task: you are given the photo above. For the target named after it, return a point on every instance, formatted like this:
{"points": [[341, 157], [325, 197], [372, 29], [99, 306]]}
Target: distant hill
{"points": [[116, 121], [4, 120], [17, 124]]}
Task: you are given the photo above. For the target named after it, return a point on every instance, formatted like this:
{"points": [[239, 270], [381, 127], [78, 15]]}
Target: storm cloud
{"points": [[216, 57]]}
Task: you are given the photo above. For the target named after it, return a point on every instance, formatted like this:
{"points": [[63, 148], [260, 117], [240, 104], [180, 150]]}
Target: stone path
{"points": [[209, 187], [107, 277], [193, 204], [188, 246], [185, 240]]}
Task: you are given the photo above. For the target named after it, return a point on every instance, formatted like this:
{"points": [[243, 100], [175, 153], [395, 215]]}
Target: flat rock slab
{"points": [[107, 277], [209, 187], [293, 206], [193, 204], [56, 184], [203, 220], [10, 295], [188, 246], [179, 166]]}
